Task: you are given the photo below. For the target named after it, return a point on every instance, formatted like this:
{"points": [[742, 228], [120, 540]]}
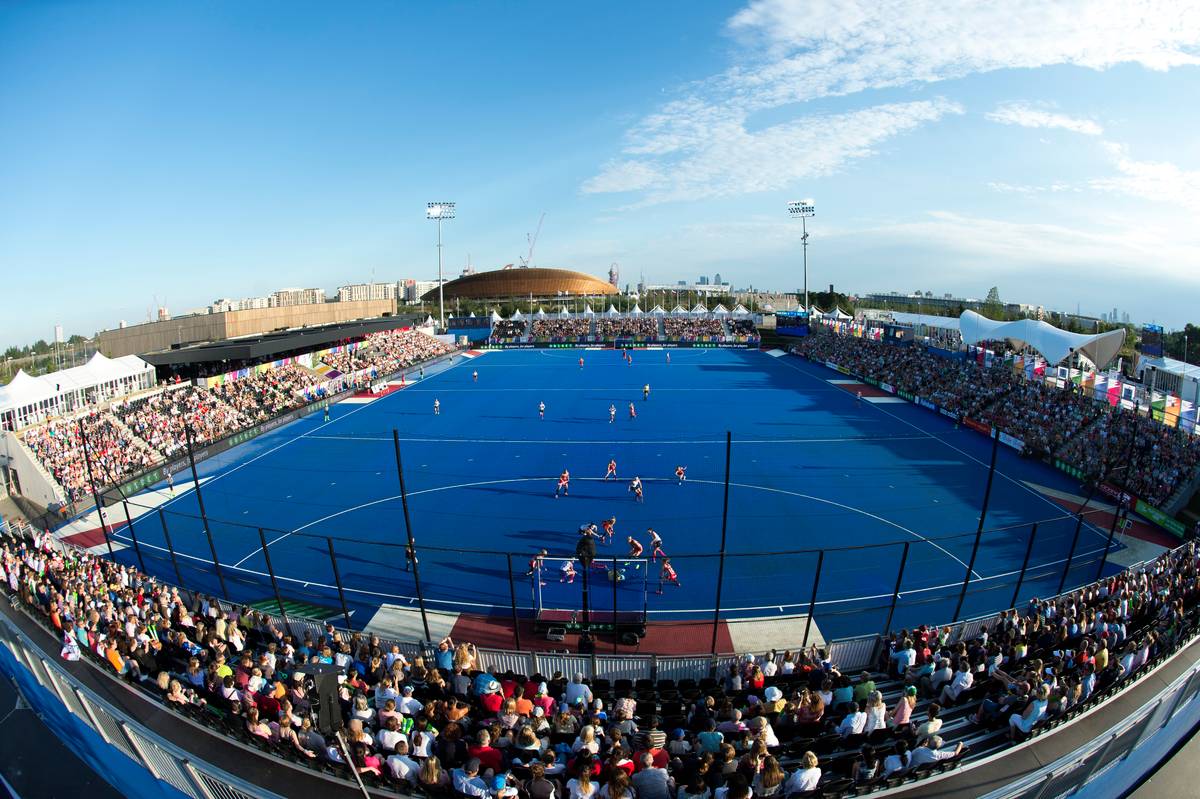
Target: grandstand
{"points": [[838, 712]]}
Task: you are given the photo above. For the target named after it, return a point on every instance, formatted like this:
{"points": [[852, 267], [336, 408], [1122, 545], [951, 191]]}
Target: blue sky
{"points": [[184, 152]]}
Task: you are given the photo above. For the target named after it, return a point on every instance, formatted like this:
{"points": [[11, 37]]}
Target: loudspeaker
{"points": [[629, 639], [324, 695]]}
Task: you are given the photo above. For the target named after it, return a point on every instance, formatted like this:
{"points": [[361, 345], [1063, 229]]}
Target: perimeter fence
{"points": [[808, 595]]}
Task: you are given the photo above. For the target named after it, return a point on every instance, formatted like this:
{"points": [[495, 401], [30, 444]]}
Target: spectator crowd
{"points": [[570, 329], [779, 725], [1146, 457], [138, 433], [693, 328], [640, 328]]}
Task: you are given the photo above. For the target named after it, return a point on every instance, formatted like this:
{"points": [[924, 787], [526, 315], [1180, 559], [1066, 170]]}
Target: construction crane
{"points": [[527, 261]]}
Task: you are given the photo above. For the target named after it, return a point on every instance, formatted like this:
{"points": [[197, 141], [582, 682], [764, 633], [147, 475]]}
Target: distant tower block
{"points": [[614, 275]]}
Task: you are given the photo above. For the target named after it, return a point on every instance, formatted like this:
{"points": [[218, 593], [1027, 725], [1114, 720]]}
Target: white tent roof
{"points": [[472, 316], [428, 322], [587, 309], [637, 310], [495, 315], [699, 309], [541, 314], [814, 311], [563, 311], [612, 311], [720, 309], [740, 310], [24, 389], [517, 315], [1169, 365], [1053, 344], [841, 315], [929, 320], [657, 309], [679, 309]]}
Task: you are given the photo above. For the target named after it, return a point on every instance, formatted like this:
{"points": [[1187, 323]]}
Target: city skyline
{"points": [[176, 155]]}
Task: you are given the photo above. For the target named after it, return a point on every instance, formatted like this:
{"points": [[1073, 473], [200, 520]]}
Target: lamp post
{"points": [[438, 212], [803, 209]]}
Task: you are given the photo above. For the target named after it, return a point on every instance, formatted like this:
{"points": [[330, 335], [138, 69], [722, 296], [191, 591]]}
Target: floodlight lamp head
{"points": [[439, 210], [802, 207]]}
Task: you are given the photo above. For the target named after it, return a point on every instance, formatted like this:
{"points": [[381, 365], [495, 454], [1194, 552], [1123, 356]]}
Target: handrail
{"points": [[160, 757]]}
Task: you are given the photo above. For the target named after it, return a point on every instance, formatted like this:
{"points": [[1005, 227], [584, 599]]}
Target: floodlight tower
{"points": [[803, 209], [438, 212]]}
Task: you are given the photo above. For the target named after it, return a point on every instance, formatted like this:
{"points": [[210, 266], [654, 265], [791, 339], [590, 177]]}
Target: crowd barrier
{"points": [[123, 741]]}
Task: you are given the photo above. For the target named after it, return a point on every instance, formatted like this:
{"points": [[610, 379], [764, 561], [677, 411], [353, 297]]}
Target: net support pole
{"points": [[587, 620], [262, 538], [721, 557], [212, 547], [812, 601], [337, 579], [1071, 555], [162, 519], [615, 573], [137, 549], [410, 551], [1112, 531], [896, 591], [987, 497], [95, 495], [512, 597], [1024, 566]]}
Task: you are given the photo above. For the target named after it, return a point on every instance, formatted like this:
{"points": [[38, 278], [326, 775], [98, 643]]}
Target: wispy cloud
{"points": [[700, 145], [1157, 181], [731, 160], [1031, 117]]}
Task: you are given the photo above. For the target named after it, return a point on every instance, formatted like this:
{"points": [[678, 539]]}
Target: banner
{"points": [[1164, 521], [924, 403], [1120, 496], [950, 414], [888, 388], [978, 427], [1012, 441]]}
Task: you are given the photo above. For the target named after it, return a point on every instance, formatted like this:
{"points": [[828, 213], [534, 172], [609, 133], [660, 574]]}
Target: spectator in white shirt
{"points": [[407, 705], [898, 760], [806, 777], [855, 721], [390, 735], [962, 680], [403, 767], [931, 751]]}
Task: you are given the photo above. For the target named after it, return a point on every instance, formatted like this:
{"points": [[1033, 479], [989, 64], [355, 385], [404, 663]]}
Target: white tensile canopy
{"points": [[563, 311], [517, 315], [679, 309], [637, 310], [657, 309], [740, 310], [541, 314], [720, 310], [699, 309], [1053, 344], [612, 311], [587, 310]]}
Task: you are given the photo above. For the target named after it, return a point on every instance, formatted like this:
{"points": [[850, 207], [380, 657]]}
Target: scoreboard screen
{"points": [[469, 323], [1152, 340]]}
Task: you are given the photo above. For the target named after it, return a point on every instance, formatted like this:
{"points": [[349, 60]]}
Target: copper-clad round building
{"points": [[535, 280]]}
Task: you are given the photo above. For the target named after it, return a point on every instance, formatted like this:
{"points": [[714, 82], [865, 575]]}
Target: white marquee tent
{"points": [[28, 400], [1053, 344]]}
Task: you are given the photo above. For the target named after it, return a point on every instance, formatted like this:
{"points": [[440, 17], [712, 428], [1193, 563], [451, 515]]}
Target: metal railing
{"points": [[160, 757]]}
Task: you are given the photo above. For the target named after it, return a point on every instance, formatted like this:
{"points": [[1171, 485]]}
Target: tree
{"points": [[993, 296]]}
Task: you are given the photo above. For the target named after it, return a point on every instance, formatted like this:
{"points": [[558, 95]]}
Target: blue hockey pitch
{"points": [[811, 468]]}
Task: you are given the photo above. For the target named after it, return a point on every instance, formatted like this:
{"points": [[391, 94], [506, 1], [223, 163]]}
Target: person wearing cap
{"points": [[542, 699], [773, 701], [577, 690], [931, 751], [407, 704], [491, 699], [902, 712], [467, 781]]}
